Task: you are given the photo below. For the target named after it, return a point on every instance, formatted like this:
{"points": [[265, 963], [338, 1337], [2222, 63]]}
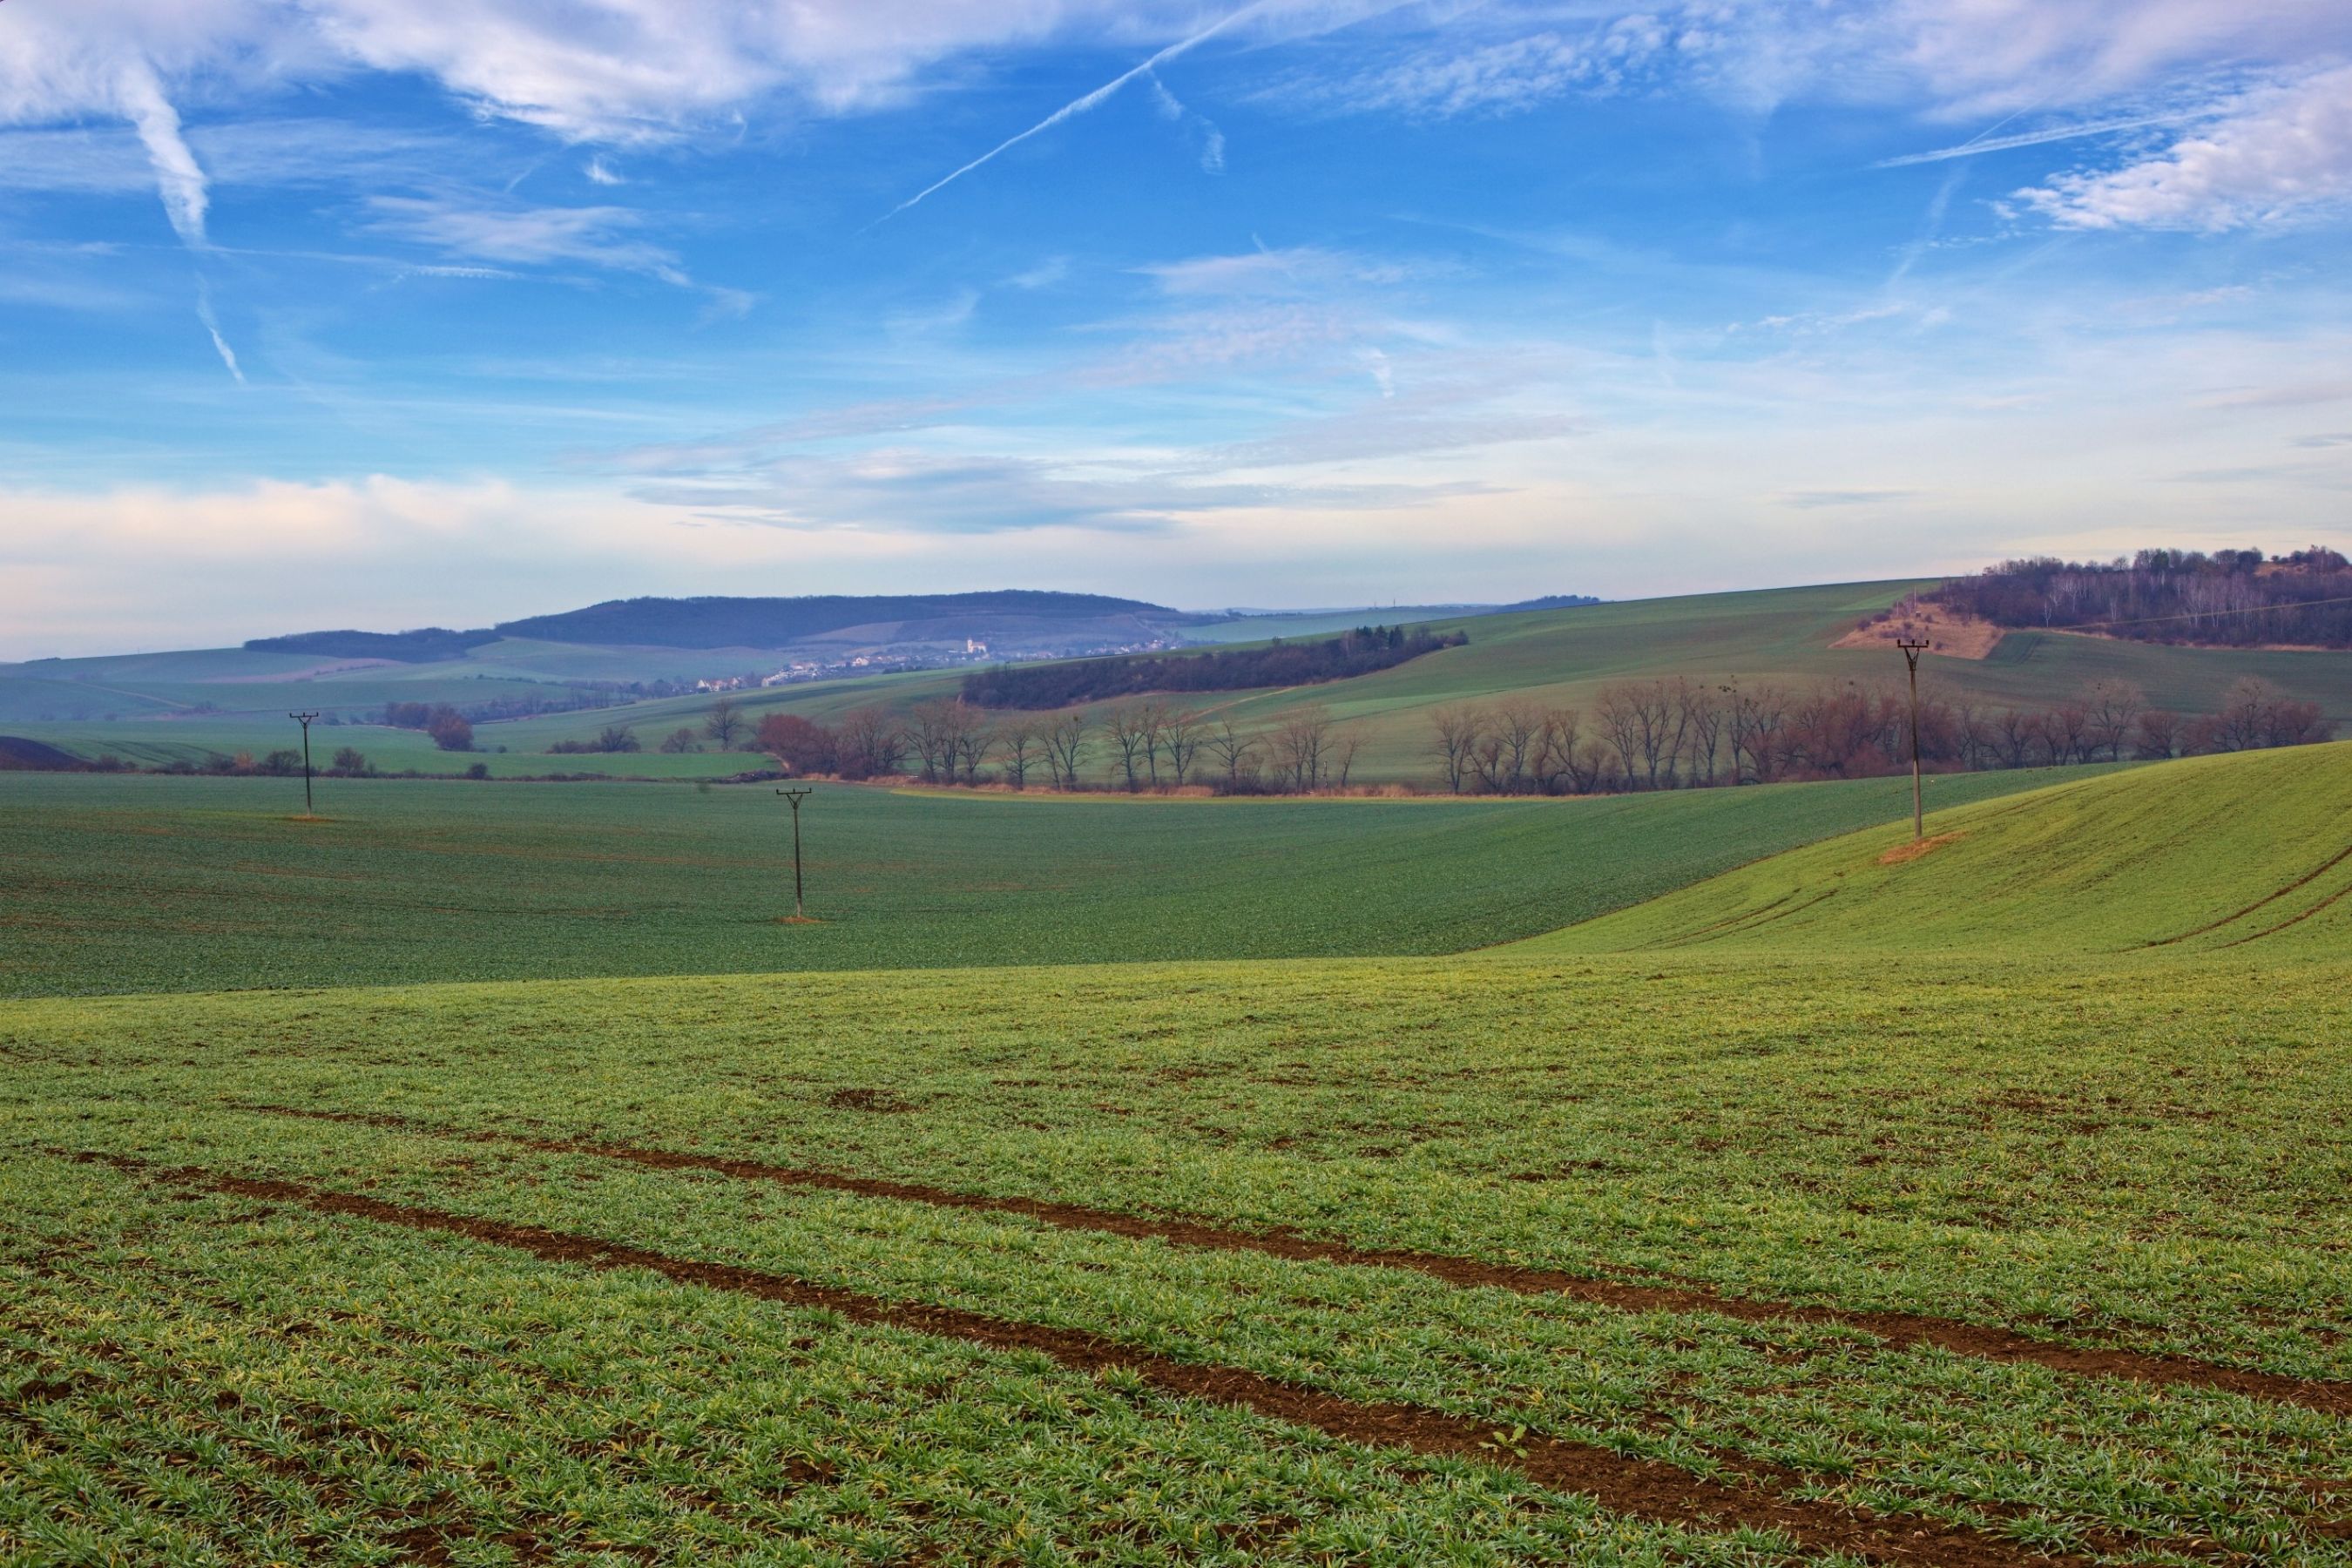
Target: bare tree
{"points": [[725, 723], [1759, 716], [1020, 740], [1702, 715], [2156, 735], [1181, 731], [1151, 718], [1066, 748], [1233, 750], [1131, 726], [2245, 719], [2111, 710], [1342, 751], [1556, 770], [1298, 747], [868, 741], [974, 739], [931, 729], [1453, 737]]}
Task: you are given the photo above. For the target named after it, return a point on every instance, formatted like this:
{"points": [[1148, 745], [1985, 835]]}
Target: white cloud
{"points": [[602, 172], [528, 235], [1299, 269], [2275, 155], [1505, 76]]}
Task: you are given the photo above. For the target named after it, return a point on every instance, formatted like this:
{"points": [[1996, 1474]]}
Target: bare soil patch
{"points": [[1916, 847], [1647, 1488], [1947, 632], [1899, 1330]]}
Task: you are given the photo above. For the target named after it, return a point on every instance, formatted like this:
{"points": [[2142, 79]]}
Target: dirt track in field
{"points": [[1899, 1330], [1646, 1488]]}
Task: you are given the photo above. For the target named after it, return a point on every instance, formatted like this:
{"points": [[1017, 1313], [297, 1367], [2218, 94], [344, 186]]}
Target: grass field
{"points": [[1560, 656], [1906, 1265], [2023, 1242], [2250, 853], [140, 883]]}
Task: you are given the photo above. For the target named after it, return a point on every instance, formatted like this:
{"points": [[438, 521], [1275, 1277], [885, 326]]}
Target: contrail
{"points": [[212, 325], [1079, 105], [180, 180], [2033, 139]]}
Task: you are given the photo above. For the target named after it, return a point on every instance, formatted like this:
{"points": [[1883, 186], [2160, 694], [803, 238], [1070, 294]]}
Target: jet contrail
{"points": [[2033, 139], [1080, 105]]}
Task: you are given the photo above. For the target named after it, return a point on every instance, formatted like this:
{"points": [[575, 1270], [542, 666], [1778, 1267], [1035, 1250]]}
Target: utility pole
{"points": [[1911, 652], [304, 719], [796, 796]]}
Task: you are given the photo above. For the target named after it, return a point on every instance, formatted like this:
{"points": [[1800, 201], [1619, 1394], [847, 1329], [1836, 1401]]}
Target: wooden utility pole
{"points": [[1911, 652], [304, 719], [796, 796]]}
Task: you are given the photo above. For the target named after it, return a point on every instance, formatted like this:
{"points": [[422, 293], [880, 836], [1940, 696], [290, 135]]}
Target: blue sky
{"points": [[377, 313]]}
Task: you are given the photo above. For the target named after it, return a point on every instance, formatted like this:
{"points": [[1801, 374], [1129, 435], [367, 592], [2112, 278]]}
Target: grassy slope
{"points": [[156, 883], [2249, 852]]}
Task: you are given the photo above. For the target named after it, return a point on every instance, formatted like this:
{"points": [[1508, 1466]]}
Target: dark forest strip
{"points": [[1899, 1330], [1646, 1489]]}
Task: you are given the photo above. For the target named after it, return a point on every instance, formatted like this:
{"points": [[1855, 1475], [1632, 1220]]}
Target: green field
{"points": [[1558, 656], [2208, 855], [143, 883], [1958, 1218]]}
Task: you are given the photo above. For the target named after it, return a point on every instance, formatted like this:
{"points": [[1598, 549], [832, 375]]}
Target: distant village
{"points": [[877, 662]]}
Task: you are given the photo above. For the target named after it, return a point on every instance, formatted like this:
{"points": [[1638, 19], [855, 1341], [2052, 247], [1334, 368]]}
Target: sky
{"points": [[387, 313]]}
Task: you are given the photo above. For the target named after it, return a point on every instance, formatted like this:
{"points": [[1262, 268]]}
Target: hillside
{"points": [[2248, 853], [136, 882], [233, 699], [711, 623]]}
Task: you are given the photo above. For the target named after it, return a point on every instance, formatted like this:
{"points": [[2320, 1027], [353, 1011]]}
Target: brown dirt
{"points": [[1899, 1330], [1954, 635], [1646, 1488], [1912, 851]]}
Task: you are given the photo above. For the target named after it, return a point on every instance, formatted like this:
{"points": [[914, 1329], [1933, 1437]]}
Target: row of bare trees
{"points": [[1679, 733], [1147, 744]]}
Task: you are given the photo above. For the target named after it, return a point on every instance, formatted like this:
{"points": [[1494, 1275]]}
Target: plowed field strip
{"points": [[1646, 1489], [1900, 1330], [2308, 877]]}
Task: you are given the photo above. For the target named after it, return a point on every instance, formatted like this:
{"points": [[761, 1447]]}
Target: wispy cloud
{"points": [[1508, 76], [602, 171], [1984, 144], [598, 236], [1814, 500]]}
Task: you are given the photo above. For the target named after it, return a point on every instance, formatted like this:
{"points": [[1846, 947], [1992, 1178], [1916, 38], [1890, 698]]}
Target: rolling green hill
{"points": [[1566, 656], [2247, 854], [139, 882], [1560, 656]]}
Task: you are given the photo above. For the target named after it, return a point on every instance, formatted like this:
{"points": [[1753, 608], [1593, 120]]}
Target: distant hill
{"points": [[769, 623], [780, 623], [427, 645]]}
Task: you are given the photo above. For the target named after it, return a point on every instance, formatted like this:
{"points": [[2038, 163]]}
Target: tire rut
{"points": [[1900, 1331], [1652, 1490]]}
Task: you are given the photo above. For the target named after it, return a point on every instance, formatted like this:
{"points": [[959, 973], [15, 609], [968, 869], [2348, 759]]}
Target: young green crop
{"points": [[2249, 855], [178, 884], [2130, 1154]]}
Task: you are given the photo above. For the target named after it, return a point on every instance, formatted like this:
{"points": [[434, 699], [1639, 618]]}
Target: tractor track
{"points": [[1900, 1331], [1652, 1490]]}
